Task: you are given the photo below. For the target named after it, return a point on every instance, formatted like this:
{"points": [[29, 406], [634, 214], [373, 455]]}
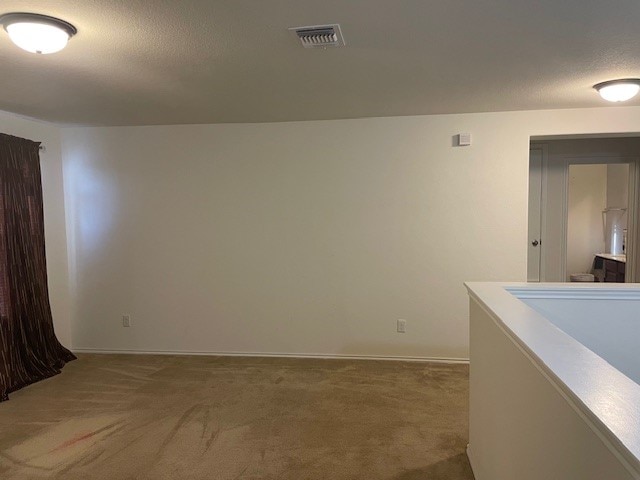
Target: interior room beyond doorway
{"points": [[582, 204]]}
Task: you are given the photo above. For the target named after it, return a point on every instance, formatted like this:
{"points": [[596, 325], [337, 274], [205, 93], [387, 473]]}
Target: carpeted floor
{"points": [[168, 417]]}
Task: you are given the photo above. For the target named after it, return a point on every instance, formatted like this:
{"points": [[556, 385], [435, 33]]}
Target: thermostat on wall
{"points": [[464, 139]]}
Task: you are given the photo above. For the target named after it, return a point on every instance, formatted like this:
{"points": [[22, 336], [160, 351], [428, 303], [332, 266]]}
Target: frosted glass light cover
{"points": [[38, 37], [619, 92]]}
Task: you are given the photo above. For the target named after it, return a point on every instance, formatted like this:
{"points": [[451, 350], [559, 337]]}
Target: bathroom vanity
{"points": [[612, 267]]}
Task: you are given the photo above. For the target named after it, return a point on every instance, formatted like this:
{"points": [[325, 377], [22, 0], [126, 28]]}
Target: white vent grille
{"points": [[319, 36]]}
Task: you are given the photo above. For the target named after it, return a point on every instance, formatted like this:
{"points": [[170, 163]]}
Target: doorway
{"points": [[597, 206], [582, 203]]}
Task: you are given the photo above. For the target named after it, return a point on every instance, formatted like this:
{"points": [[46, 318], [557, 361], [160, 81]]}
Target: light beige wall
{"points": [[302, 238], [587, 197], [54, 215], [618, 185]]}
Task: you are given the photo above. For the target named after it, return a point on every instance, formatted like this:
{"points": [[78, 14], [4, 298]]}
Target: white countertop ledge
{"points": [[609, 256]]}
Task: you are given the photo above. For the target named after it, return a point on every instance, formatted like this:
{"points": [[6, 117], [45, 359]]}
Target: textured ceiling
{"points": [[150, 62]]}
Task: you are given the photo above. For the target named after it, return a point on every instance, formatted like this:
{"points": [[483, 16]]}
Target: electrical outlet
{"points": [[126, 320], [402, 325]]}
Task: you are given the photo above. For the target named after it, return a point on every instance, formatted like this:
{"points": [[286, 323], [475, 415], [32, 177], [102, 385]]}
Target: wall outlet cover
{"points": [[402, 325]]}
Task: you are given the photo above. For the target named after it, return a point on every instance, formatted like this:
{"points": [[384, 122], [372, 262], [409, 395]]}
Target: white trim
{"points": [[275, 355], [583, 292], [584, 136], [596, 158], [474, 465], [564, 228]]}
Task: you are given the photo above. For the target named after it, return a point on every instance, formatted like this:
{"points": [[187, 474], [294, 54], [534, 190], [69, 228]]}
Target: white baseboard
{"points": [[476, 474], [276, 355]]}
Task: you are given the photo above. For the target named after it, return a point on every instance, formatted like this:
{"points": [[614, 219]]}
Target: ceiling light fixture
{"points": [[618, 90], [37, 33]]}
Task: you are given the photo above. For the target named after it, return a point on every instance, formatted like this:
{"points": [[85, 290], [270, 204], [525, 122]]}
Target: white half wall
{"points": [[541, 405], [304, 237], [54, 215]]}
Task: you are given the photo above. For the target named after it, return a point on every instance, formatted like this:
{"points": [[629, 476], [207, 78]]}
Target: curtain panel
{"points": [[29, 349]]}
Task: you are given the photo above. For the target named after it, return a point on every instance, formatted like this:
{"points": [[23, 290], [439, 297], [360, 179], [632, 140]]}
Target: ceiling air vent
{"points": [[319, 36]]}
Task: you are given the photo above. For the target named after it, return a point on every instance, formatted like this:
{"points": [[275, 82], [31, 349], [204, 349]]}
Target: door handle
{"points": [[535, 243]]}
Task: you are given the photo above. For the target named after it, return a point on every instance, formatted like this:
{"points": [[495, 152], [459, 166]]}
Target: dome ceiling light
{"points": [[37, 33], [618, 90]]}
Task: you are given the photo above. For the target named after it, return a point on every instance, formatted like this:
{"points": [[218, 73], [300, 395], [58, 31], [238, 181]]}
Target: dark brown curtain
{"points": [[29, 349]]}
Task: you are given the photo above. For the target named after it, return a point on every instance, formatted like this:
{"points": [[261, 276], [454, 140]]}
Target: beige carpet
{"points": [[168, 417]]}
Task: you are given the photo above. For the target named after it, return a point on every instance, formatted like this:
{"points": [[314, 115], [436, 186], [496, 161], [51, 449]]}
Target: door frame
{"points": [[540, 200], [633, 210]]}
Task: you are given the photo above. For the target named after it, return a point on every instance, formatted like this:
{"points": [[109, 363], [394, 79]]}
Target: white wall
{"points": [[54, 215], [305, 237], [587, 197]]}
